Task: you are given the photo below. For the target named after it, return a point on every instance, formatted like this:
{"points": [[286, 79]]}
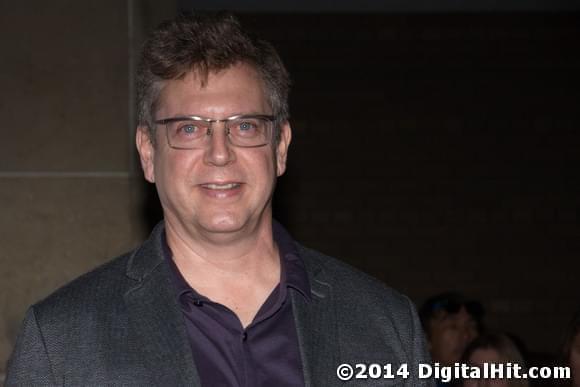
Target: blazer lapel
{"points": [[156, 320], [317, 331]]}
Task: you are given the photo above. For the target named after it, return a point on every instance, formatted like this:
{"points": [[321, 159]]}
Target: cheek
{"points": [[443, 342], [451, 335], [175, 162], [174, 170], [259, 167]]}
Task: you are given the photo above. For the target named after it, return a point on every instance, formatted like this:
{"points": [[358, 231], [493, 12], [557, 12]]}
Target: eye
{"points": [[246, 126], [189, 129]]}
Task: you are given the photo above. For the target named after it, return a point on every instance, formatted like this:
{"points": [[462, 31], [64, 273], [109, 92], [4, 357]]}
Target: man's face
{"points": [[220, 189], [449, 334]]}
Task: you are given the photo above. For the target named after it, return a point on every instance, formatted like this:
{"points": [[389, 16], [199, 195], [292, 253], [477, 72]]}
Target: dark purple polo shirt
{"points": [[266, 353]]}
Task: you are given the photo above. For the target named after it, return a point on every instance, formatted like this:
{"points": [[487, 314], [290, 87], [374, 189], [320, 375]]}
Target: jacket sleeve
{"points": [[29, 364], [418, 348]]}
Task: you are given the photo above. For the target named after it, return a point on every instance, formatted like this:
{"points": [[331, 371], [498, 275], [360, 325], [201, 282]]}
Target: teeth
{"points": [[221, 186]]}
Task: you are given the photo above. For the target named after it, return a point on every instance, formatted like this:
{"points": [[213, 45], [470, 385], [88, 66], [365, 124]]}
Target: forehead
{"points": [[235, 90], [484, 355], [461, 317]]}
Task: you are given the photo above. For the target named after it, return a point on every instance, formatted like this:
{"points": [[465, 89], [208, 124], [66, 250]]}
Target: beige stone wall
{"points": [[70, 187]]}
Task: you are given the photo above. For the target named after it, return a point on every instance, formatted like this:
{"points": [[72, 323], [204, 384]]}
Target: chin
{"points": [[222, 224]]}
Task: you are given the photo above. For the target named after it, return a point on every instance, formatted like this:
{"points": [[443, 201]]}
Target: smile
{"points": [[221, 186]]}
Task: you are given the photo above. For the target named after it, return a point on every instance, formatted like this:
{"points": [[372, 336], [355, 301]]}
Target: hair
{"points": [[206, 43], [505, 347], [449, 303]]}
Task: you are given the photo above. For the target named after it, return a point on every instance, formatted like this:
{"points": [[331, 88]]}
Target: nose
{"points": [[219, 150]]}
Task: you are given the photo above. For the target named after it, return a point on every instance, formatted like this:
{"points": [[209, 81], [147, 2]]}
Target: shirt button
{"points": [[244, 336], [197, 303]]}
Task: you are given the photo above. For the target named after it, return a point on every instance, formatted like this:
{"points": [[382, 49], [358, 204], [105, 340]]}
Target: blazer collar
{"points": [[148, 256], [316, 326], [155, 317]]}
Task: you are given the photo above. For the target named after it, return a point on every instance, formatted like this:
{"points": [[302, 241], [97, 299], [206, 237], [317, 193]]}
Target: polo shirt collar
{"points": [[292, 268]]}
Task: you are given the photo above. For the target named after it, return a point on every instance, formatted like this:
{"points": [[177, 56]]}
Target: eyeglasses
{"points": [[193, 132]]}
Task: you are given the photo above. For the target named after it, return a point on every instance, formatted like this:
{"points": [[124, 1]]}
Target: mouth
{"points": [[221, 186], [222, 190]]}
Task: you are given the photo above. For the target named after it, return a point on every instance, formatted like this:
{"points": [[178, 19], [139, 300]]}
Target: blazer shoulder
{"points": [[104, 282], [354, 285]]}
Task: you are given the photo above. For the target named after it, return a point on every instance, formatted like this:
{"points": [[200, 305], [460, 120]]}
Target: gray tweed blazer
{"points": [[121, 325]]}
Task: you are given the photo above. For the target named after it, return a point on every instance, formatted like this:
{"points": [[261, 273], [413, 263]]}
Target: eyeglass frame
{"points": [[270, 118]]}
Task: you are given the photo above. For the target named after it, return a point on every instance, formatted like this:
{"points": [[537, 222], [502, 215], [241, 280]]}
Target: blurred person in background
{"points": [[494, 348], [450, 322], [571, 350]]}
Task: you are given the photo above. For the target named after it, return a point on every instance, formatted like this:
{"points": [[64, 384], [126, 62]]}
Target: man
{"points": [[451, 324], [220, 294]]}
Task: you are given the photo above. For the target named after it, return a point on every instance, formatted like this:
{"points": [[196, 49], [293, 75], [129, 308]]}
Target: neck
{"points": [[241, 253], [239, 273]]}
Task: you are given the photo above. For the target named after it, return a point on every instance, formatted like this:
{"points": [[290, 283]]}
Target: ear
{"points": [[146, 151], [282, 148]]}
